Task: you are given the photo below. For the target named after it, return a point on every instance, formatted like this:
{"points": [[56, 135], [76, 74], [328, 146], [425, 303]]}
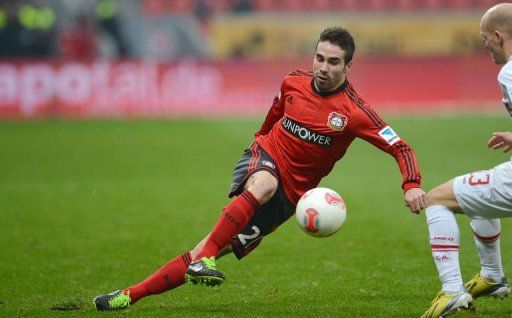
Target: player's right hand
{"points": [[500, 140], [415, 199]]}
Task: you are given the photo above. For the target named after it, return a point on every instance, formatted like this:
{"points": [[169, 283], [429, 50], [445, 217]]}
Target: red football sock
{"points": [[235, 216], [168, 277]]}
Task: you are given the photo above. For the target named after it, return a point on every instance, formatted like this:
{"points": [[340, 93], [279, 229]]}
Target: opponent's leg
{"points": [[485, 196], [490, 281], [487, 240], [445, 196], [444, 241], [444, 236]]}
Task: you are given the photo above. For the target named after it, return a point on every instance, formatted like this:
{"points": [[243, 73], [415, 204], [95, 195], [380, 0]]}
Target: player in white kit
{"points": [[484, 196]]}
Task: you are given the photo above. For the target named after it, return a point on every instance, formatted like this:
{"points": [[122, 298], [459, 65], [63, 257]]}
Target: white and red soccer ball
{"points": [[321, 212]]}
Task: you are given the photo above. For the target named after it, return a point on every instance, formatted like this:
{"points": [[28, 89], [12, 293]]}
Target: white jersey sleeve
{"points": [[505, 81]]}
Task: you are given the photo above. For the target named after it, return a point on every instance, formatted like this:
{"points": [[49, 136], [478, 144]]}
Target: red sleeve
{"points": [[274, 114], [369, 126]]}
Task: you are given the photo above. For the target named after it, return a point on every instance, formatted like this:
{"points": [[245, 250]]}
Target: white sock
{"points": [[444, 242], [487, 240]]}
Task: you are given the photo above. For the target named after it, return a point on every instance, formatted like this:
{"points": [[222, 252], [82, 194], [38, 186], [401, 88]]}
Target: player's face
{"points": [[329, 68], [493, 42]]}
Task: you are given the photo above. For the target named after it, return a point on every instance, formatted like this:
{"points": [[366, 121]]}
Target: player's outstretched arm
{"points": [[500, 140], [415, 199]]}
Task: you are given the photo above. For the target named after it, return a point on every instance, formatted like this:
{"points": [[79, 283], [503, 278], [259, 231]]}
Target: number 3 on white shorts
{"points": [[479, 178]]}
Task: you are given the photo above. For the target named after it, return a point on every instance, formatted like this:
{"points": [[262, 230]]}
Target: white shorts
{"points": [[485, 194]]}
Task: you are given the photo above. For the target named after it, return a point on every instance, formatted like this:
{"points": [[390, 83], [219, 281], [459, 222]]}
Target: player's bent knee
{"points": [[263, 187], [268, 186], [434, 196], [443, 195]]}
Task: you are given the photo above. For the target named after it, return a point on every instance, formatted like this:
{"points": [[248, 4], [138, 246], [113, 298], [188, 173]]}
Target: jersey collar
{"points": [[324, 94]]}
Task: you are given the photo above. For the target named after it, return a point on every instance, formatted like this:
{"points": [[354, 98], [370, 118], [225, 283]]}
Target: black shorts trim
{"points": [[253, 160]]}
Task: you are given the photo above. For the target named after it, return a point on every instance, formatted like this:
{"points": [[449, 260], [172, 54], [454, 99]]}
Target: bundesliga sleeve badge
{"points": [[389, 135], [337, 121]]}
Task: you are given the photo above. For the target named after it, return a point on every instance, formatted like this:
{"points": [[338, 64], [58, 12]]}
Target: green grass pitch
{"points": [[90, 207]]}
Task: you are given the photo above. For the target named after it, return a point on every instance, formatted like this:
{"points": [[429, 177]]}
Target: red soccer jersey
{"points": [[307, 131]]}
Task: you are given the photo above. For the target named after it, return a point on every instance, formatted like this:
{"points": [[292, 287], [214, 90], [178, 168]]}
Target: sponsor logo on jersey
{"points": [[337, 121], [306, 134], [389, 135]]}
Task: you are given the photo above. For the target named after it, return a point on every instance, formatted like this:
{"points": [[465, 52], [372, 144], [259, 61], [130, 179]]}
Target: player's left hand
{"points": [[500, 140], [415, 199]]}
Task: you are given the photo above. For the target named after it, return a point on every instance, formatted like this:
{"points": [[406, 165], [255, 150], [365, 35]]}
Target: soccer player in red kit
{"points": [[312, 122]]}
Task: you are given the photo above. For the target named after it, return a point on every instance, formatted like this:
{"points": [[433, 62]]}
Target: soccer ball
{"points": [[321, 212]]}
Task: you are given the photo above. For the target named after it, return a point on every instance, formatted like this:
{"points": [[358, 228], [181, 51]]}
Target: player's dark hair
{"points": [[340, 37]]}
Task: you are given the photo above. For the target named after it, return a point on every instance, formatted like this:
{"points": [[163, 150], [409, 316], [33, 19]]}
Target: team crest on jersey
{"points": [[337, 121]]}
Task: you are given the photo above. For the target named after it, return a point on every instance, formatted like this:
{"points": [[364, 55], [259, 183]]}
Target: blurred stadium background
{"points": [[91, 202], [175, 58]]}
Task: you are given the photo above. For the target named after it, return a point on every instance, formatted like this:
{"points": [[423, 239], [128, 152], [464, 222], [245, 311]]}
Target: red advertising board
{"points": [[235, 88]]}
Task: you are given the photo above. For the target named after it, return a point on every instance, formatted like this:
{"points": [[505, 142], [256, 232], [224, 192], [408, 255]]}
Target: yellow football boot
{"points": [[445, 304], [479, 287]]}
